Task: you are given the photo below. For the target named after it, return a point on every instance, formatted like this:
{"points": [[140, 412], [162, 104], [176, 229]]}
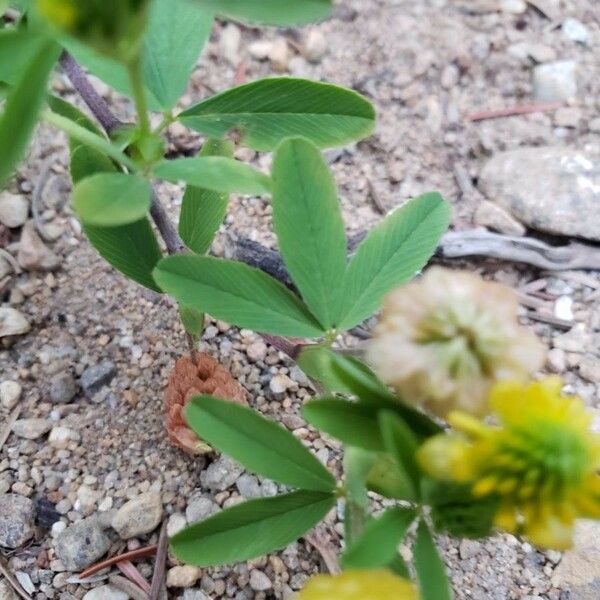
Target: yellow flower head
{"points": [[113, 27], [542, 460], [444, 340], [359, 585]]}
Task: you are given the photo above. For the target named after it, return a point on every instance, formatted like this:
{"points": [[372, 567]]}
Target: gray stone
{"points": [[259, 582], [547, 188], [468, 549], [96, 377], [10, 393], [579, 569], [194, 594], [496, 218], [183, 577], [31, 429], [555, 81], [81, 544], [138, 516], [315, 46], [221, 474], [5, 268], [589, 368], [14, 209], [575, 30], [12, 322], [248, 486], [16, 520], [199, 509], [106, 592], [63, 388], [6, 591], [33, 254]]}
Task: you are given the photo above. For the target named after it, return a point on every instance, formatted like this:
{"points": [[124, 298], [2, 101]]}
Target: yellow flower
{"points": [[359, 585], [542, 460], [444, 340]]}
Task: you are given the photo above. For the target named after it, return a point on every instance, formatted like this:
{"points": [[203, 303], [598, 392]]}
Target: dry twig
{"points": [[128, 569], [160, 564], [5, 432], [113, 560], [511, 111]]}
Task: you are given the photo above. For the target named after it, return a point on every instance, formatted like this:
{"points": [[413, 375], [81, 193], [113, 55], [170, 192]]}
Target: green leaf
{"points": [[352, 423], [260, 445], [388, 480], [402, 446], [431, 571], [251, 529], [18, 48], [360, 380], [203, 211], [316, 361], [236, 293], [131, 249], [215, 173], [88, 161], [273, 12], [269, 110], [308, 222], [391, 254], [111, 199], [377, 546], [69, 111], [192, 320], [22, 108], [357, 466], [177, 31]]}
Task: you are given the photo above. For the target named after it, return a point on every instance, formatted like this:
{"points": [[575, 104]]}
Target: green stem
{"points": [[355, 517], [139, 95], [85, 136], [168, 119]]}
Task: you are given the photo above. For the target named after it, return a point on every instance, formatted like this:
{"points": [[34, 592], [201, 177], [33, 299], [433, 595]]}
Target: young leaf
{"points": [[269, 110], [308, 222], [111, 199], [389, 481], [22, 107], [236, 293], [177, 31], [203, 211], [273, 12], [377, 546], [192, 320], [357, 466], [431, 571], [402, 446], [391, 254], [251, 529], [131, 249], [352, 423], [260, 445], [215, 173]]}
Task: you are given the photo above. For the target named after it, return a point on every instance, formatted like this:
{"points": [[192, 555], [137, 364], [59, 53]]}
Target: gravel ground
{"points": [[92, 369]]}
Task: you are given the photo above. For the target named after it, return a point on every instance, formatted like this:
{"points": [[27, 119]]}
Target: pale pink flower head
{"points": [[445, 339]]}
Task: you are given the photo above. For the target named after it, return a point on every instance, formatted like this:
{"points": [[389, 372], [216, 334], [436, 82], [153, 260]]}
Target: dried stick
{"points": [[113, 560], [159, 564], [90, 96], [165, 226], [511, 111], [128, 587], [5, 432], [129, 570]]}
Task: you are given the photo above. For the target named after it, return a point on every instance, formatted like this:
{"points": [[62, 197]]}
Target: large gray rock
{"points": [[31, 429], [94, 378], [81, 544], [63, 388], [106, 592], [551, 189], [16, 520]]}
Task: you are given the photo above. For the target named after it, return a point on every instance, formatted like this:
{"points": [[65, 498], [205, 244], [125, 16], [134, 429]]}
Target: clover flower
{"points": [[444, 340], [359, 585], [113, 27], [542, 460]]}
